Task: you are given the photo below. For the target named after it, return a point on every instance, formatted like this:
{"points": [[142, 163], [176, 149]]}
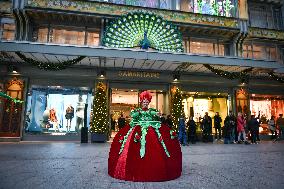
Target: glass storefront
{"points": [[265, 106], [57, 109], [124, 100], [197, 103]]}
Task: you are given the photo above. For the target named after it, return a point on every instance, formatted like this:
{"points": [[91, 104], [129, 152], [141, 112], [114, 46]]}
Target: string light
{"points": [[50, 66]]}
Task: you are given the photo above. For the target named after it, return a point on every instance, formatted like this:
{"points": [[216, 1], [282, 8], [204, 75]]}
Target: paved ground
{"points": [[69, 165]]}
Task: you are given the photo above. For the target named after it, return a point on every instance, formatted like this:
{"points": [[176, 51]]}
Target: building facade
{"points": [[223, 55]]}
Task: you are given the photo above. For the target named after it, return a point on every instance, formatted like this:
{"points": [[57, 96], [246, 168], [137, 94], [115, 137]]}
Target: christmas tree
{"points": [[100, 111], [177, 108]]}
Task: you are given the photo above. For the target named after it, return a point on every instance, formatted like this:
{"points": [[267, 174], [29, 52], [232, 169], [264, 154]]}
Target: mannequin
{"points": [[53, 119], [69, 116]]}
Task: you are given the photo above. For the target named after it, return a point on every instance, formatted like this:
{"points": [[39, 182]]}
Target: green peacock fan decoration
{"points": [[145, 30]]}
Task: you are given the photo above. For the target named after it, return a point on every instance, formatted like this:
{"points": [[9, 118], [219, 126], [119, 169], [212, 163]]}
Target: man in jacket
{"points": [[253, 126], [217, 125]]}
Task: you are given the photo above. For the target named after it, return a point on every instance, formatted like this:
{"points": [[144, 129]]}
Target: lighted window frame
{"points": [[204, 46], [8, 31], [260, 51]]}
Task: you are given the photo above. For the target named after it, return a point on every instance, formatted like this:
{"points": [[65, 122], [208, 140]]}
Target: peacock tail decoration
{"points": [[145, 30]]}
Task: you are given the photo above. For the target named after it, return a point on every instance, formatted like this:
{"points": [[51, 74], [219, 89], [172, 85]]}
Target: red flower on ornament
{"points": [[137, 137], [121, 138], [161, 138], [174, 134]]}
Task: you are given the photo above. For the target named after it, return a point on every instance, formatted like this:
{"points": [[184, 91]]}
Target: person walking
{"points": [[121, 122], [241, 122], [207, 128], [272, 127], [191, 130], [253, 126], [169, 121], [217, 125], [182, 132], [280, 125], [231, 121]]}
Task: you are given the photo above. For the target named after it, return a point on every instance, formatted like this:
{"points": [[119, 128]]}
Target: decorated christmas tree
{"points": [[100, 111], [177, 108]]}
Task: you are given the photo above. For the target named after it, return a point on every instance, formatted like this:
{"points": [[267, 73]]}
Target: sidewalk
{"points": [[34, 165]]}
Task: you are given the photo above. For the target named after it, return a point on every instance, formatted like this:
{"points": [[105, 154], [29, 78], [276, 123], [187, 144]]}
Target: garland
{"points": [[275, 77], [243, 76], [3, 95], [50, 66]]}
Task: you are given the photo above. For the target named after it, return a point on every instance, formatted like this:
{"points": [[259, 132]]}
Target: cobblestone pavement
{"points": [[69, 165]]}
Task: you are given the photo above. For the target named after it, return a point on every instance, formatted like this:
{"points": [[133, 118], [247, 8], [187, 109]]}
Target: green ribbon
{"points": [[144, 130], [3, 95]]}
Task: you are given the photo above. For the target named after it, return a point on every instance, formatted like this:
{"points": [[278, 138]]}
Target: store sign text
{"points": [[139, 74]]}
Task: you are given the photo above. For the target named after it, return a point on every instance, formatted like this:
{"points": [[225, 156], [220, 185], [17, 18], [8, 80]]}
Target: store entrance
{"points": [[124, 100], [197, 103]]}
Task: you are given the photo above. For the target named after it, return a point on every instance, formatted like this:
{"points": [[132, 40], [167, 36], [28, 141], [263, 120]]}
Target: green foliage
{"points": [[50, 66], [177, 108], [100, 111], [276, 78], [128, 32], [243, 76], [3, 95]]}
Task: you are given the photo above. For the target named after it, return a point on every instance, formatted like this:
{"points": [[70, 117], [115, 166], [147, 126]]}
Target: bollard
{"points": [[84, 130]]}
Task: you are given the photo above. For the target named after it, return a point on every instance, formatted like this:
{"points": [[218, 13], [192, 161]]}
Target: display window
{"points": [[57, 109], [197, 103], [264, 107], [124, 100]]}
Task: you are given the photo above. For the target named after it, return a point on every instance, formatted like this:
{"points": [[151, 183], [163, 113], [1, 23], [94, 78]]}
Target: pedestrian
{"points": [[231, 122], [217, 125], [280, 125], [253, 126], [163, 119], [272, 127], [206, 125], [169, 121], [182, 132], [227, 130], [191, 130], [241, 122], [121, 122]]}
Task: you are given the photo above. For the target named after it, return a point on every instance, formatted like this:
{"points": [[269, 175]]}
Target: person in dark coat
{"points": [[169, 121], [207, 128], [232, 125], [121, 122], [253, 126], [227, 130], [217, 125], [191, 130], [163, 119]]}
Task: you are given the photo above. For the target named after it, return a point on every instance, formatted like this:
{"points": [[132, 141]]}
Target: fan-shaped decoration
{"points": [[143, 30]]}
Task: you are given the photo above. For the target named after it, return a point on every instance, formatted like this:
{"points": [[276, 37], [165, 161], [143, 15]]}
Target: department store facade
{"points": [[230, 40]]}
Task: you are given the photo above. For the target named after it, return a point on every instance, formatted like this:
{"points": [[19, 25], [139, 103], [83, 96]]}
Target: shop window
{"points": [[202, 47], [118, 1], [93, 39], [42, 35], [62, 36], [8, 32], [186, 5], [260, 51], [165, 4], [57, 109], [212, 7]]}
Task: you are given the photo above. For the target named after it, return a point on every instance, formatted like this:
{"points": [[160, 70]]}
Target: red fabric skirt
{"points": [[154, 166]]}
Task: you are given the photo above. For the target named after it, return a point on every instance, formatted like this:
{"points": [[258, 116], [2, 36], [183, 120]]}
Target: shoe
{"points": [[239, 142]]}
